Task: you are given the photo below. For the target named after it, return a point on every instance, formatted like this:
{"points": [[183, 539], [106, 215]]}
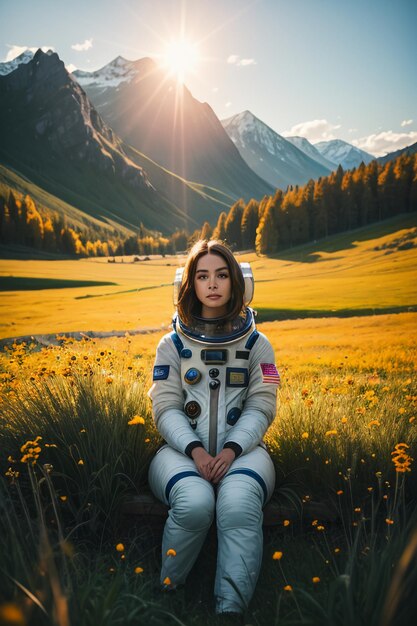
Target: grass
{"points": [[368, 271], [348, 383]]}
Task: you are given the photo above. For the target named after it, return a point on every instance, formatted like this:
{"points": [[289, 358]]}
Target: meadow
{"points": [[369, 270], [76, 439]]}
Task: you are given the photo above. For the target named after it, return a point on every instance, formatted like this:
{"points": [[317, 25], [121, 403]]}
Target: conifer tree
{"points": [[249, 224], [206, 231], [267, 232], [219, 231], [233, 225]]}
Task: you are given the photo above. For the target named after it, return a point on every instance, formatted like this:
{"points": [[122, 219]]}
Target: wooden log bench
{"points": [[147, 506]]}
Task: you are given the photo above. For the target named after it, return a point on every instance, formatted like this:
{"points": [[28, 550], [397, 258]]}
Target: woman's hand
{"points": [[202, 460], [220, 465]]}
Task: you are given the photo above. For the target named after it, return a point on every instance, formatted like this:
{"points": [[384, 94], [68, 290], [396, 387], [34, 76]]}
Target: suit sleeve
{"points": [[260, 404], [167, 398]]}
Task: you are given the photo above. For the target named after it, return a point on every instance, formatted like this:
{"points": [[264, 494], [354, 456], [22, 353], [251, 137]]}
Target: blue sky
{"points": [[318, 68]]}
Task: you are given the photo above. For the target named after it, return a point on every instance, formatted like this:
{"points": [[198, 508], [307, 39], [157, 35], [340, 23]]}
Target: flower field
{"points": [[76, 439]]}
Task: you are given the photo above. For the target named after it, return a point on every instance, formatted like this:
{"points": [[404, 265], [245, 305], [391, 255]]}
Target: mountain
{"points": [[393, 155], [343, 153], [269, 154], [305, 146], [52, 135], [161, 118], [10, 66]]}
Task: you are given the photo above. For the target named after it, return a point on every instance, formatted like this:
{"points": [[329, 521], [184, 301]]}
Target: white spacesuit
{"points": [[215, 386]]}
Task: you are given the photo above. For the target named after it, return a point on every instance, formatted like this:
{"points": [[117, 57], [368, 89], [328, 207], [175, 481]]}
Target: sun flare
{"points": [[181, 58]]}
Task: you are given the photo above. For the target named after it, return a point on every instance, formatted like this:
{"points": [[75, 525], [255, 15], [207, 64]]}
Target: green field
{"points": [[371, 270]]}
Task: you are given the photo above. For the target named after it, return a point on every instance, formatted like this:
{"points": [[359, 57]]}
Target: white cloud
{"points": [[406, 122], [314, 130], [215, 89], [353, 130], [80, 47], [386, 141], [16, 50], [228, 104], [234, 59], [70, 68]]}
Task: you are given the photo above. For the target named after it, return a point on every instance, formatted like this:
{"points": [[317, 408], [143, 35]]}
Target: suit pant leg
{"points": [[175, 480], [241, 496]]}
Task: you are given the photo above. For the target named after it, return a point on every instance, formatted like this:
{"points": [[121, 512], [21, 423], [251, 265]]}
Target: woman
{"points": [[214, 396]]}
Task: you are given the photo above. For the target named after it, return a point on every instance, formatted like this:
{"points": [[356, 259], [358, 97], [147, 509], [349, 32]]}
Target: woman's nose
{"points": [[212, 282]]}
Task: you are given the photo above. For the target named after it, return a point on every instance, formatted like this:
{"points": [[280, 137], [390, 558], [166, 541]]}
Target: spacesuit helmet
{"points": [[218, 330]]}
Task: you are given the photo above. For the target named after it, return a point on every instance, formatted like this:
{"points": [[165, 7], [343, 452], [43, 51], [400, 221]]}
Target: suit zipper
{"points": [[213, 418]]}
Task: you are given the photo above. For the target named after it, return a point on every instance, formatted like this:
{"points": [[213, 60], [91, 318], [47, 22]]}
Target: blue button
{"points": [[186, 353], [192, 376]]}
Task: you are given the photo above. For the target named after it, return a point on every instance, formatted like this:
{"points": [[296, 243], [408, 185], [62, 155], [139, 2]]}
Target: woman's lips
{"points": [[214, 296]]}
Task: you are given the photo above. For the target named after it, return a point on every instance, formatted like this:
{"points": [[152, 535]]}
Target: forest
{"points": [[342, 201]]}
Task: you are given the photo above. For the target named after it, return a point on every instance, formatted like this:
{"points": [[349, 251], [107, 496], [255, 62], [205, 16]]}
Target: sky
{"points": [[321, 69]]}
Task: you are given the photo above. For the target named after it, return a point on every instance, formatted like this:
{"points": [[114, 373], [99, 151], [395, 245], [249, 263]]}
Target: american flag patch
{"points": [[270, 373]]}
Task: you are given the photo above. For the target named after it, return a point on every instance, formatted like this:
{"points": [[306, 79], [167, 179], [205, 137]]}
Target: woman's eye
{"points": [[223, 276]]}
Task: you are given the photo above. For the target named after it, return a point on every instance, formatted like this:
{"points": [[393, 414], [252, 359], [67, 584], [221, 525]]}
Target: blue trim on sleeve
{"points": [[248, 472], [174, 479], [253, 338], [177, 342]]}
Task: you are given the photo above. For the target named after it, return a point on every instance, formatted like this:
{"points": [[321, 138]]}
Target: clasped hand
{"points": [[213, 468]]}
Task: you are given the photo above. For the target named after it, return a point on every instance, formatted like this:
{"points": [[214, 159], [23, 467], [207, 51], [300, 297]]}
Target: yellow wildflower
{"points": [[167, 580], [137, 419], [320, 527], [171, 552], [120, 547], [304, 435], [11, 614], [63, 498], [80, 462], [277, 556], [287, 588], [329, 433], [315, 579], [389, 521], [286, 522], [374, 423], [344, 420], [339, 493], [138, 570]]}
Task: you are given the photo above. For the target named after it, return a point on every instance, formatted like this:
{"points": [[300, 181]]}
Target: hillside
{"points": [[370, 270]]}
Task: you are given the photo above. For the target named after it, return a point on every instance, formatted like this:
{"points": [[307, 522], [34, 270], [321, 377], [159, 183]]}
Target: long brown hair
{"points": [[188, 303]]}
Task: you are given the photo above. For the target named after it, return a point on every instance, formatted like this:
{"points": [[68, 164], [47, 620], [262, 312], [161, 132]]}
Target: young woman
{"points": [[214, 396]]}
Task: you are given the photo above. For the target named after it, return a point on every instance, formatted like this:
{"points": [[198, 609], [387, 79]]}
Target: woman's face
{"points": [[212, 285]]}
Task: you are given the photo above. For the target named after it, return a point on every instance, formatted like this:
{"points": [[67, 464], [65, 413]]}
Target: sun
{"points": [[181, 58]]}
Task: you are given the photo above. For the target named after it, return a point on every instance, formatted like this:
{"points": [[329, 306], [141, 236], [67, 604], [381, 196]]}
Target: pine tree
{"points": [[233, 225], [34, 224], [206, 231], [249, 224], [219, 231], [267, 232]]}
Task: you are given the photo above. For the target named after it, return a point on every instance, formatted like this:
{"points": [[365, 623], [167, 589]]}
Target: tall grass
{"points": [[76, 439]]}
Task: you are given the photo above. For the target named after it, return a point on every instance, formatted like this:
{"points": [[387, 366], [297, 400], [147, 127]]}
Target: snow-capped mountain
{"points": [[303, 144], [10, 66], [161, 119], [343, 153], [270, 155], [111, 75]]}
